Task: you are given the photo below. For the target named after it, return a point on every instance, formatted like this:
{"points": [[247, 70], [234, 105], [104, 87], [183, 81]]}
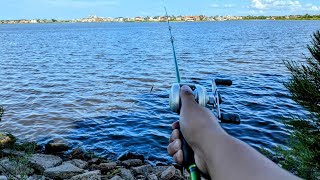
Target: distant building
{"points": [[139, 19], [33, 21], [179, 18], [151, 19], [163, 18], [192, 18], [118, 19], [24, 21]]}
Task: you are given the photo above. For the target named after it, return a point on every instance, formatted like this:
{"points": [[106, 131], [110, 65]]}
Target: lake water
{"points": [[90, 83]]}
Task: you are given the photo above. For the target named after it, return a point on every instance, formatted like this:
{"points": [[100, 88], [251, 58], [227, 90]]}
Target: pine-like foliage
{"points": [[303, 155]]}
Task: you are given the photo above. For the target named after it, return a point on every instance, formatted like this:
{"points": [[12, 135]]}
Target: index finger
{"points": [[176, 125]]}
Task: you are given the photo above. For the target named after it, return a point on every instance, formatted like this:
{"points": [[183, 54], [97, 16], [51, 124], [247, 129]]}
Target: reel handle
{"points": [[230, 118], [223, 82]]}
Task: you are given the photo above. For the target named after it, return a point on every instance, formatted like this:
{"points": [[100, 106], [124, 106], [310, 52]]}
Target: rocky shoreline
{"points": [[55, 161]]}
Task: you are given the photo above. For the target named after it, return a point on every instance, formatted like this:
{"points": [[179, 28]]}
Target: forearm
{"points": [[230, 158], [218, 153]]}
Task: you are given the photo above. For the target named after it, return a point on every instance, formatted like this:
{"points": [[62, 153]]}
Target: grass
{"points": [[18, 168]]}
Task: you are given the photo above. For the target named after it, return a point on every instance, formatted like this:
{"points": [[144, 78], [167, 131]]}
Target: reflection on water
{"points": [[90, 83]]}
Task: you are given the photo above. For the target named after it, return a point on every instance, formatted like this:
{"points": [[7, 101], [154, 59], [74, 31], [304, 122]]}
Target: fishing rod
{"points": [[173, 48], [203, 98], [188, 159]]}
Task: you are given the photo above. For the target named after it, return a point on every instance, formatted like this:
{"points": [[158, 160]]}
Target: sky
{"points": [[72, 9]]}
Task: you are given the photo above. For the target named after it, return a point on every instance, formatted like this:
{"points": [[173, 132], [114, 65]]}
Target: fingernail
{"points": [[186, 89]]}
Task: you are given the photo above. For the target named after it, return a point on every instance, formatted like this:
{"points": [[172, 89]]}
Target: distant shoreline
{"points": [[71, 22], [201, 18]]}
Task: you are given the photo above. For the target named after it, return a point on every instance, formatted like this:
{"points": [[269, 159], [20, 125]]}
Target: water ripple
{"points": [[90, 83]]}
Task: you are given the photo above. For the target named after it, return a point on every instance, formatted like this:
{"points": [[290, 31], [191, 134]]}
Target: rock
{"points": [[144, 170], [7, 165], [36, 177], [178, 175], [78, 153], [132, 162], [8, 139], [157, 170], [140, 177], [94, 161], [126, 174], [3, 178], [41, 162], [186, 174], [116, 178], [105, 167], [92, 175], [178, 167], [79, 163], [14, 167], [56, 146], [129, 155], [277, 159], [168, 173], [161, 164], [11, 152], [64, 171], [152, 177]]}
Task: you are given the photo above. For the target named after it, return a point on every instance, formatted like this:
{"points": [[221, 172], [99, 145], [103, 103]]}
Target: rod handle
{"points": [[189, 162], [188, 154]]}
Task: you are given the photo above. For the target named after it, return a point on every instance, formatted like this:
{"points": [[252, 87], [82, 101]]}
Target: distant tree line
{"points": [[290, 17]]}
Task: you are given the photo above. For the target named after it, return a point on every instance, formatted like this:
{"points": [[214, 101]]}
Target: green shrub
{"points": [[303, 155]]}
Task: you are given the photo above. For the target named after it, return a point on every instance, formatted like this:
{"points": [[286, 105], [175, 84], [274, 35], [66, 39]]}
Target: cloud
{"points": [[311, 7], [82, 3], [222, 6], [314, 8], [229, 6], [292, 5], [214, 6], [275, 4], [258, 4], [256, 12]]}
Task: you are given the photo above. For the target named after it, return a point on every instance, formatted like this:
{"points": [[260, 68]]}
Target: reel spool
{"points": [[199, 92], [204, 99]]}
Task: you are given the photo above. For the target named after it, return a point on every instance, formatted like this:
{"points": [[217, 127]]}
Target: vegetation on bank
{"points": [[291, 17], [19, 161], [303, 154]]}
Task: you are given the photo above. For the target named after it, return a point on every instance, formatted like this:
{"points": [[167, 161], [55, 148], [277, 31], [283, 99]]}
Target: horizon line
{"points": [[114, 17]]}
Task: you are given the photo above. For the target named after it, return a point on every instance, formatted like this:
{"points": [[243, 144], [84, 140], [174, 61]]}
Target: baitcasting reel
{"points": [[204, 99]]}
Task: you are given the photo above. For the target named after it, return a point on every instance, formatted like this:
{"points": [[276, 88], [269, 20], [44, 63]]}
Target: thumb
{"points": [[186, 95]]}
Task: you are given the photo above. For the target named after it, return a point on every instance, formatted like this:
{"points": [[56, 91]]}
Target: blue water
{"points": [[90, 83]]}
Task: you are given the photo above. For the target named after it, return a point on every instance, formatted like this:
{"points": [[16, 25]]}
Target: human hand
{"points": [[195, 123]]}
